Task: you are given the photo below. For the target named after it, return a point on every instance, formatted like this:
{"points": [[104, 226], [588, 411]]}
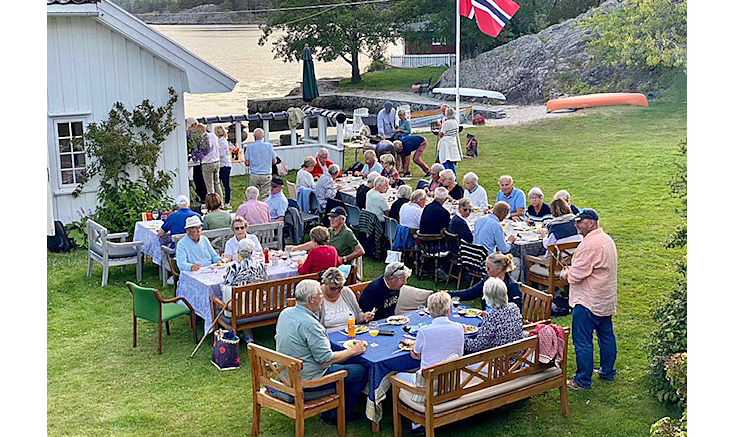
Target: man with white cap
{"points": [[386, 121], [194, 250], [175, 223]]}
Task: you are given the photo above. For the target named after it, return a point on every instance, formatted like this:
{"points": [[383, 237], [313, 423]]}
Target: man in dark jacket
{"points": [[435, 217], [382, 293]]}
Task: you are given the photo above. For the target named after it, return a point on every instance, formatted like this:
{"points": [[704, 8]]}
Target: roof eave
{"points": [[72, 10]]}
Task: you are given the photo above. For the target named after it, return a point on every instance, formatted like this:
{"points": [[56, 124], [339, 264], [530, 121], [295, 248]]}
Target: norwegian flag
{"points": [[490, 15]]}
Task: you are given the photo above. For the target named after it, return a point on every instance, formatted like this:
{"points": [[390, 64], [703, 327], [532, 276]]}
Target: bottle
{"points": [[351, 326], [265, 254]]}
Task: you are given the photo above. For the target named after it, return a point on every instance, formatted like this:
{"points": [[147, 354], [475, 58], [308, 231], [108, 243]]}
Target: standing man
{"points": [[260, 157], [593, 295], [415, 144], [512, 196], [387, 121], [277, 202]]}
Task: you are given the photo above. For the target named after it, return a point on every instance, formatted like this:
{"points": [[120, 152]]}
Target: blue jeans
{"points": [[583, 323], [450, 165]]}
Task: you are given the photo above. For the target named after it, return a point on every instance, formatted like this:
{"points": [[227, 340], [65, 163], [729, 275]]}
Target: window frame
{"points": [[70, 120]]}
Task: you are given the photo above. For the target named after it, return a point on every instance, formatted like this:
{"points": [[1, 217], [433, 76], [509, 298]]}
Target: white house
{"points": [[98, 54]]}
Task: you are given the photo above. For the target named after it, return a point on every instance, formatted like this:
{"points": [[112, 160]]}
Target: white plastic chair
{"points": [[357, 118]]}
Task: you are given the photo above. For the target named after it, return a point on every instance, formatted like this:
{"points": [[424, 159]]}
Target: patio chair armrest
{"points": [[178, 298], [217, 302], [530, 326], [326, 379], [537, 260], [399, 383], [126, 244], [121, 235]]}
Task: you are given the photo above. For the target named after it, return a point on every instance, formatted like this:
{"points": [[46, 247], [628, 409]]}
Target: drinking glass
{"points": [[373, 331], [455, 304], [156, 214]]}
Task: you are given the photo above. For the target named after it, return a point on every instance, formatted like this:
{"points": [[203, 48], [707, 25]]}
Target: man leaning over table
{"points": [[175, 223], [300, 335], [513, 196], [260, 157], [593, 283], [194, 250]]}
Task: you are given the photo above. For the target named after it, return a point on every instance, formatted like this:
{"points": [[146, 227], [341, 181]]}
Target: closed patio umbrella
{"points": [[309, 87]]}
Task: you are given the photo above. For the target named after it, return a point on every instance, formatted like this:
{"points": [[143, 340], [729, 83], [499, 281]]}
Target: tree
{"points": [[331, 32], [641, 33]]}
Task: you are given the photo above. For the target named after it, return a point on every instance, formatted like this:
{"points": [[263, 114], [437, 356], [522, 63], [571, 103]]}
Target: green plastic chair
{"points": [[148, 304]]}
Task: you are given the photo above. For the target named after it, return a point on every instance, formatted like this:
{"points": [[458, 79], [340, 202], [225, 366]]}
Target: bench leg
{"points": [[564, 396], [375, 426]]}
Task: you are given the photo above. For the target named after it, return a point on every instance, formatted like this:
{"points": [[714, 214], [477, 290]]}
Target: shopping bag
{"points": [[226, 350]]}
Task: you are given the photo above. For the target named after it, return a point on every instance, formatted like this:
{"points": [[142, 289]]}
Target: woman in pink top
{"points": [[254, 210], [323, 256]]}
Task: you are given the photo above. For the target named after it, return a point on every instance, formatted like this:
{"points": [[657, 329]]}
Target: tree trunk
{"points": [[355, 62]]}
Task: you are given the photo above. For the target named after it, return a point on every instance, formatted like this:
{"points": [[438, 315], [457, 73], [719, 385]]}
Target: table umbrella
{"points": [[309, 86]]}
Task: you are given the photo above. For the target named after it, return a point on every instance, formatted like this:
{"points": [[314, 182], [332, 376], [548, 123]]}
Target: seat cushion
{"points": [[541, 270], [127, 253], [485, 393], [227, 320], [172, 310]]}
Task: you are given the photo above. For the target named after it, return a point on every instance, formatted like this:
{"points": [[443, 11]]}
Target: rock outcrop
{"points": [[535, 68], [203, 14]]}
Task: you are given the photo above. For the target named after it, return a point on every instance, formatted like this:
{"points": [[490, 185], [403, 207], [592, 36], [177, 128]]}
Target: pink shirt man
{"points": [[593, 275], [254, 211]]}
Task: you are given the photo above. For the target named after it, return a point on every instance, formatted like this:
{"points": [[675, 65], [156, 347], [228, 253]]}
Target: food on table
{"points": [[349, 343], [469, 329], [471, 312], [360, 329], [397, 320], [406, 344]]}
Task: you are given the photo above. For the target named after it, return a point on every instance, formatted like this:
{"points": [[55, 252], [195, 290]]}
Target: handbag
{"points": [[226, 350]]}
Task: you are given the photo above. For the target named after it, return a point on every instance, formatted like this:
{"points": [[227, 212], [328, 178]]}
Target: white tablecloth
{"points": [[147, 232]]}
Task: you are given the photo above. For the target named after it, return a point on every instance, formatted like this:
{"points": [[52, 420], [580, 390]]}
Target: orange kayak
{"points": [[592, 100]]}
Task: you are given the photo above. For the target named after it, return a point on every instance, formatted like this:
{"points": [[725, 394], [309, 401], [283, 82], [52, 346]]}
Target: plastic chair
{"points": [[148, 304], [353, 215], [390, 229], [291, 189]]}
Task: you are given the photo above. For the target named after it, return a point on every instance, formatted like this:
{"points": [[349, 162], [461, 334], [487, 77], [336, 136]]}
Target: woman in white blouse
{"points": [[240, 228], [225, 164], [448, 146], [339, 302], [304, 178]]}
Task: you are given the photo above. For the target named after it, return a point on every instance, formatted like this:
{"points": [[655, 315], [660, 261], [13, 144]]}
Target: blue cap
{"points": [[388, 104], [588, 213]]}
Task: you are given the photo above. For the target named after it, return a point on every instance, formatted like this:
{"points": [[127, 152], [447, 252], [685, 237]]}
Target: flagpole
{"points": [[456, 64]]}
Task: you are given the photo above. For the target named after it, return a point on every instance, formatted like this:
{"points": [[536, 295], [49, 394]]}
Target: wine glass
{"points": [[156, 214], [422, 310], [373, 331], [455, 304]]}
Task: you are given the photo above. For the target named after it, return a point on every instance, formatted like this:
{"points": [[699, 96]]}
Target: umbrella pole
{"points": [[456, 64]]}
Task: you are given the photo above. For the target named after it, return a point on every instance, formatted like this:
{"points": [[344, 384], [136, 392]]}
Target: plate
{"points": [[349, 343], [469, 329], [406, 344], [361, 329], [397, 320], [471, 312], [219, 265]]}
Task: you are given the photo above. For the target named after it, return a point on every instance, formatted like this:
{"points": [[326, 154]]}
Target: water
{"points": [[234, 49]]}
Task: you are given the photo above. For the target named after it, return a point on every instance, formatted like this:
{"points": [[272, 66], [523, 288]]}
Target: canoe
{"points": [[592, 100], [425, 118]]}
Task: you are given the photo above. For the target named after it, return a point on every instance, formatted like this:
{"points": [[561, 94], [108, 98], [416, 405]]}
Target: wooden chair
{"points": [[472, 259], [269, 234], [148, 304], [547, 271], [169, 260], [269, 368], [536, 306], [357, 288], [453, 241], [111, 254], [432, 247], [258, 304]]}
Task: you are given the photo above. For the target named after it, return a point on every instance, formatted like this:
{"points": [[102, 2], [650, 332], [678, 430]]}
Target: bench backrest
{"points": [[270, 235], [478, 371], [536, 304], [264, 297]]}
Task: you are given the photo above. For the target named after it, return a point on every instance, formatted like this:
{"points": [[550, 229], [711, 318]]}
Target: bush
{"points": [[378, 64], [676, 373]]}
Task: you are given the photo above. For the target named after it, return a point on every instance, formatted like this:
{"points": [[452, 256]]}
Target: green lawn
{"points": [[617, 160], [393, 79]]}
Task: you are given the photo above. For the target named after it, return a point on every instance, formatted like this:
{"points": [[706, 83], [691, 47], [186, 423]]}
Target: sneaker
{"points": [[597, 372], [227, 206], [419, 430], [441, 274], [170, 281], [407, 174], [572, 384], [427, 174]]}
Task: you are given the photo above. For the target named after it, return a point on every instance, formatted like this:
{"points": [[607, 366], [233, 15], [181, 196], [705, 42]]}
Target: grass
{"points": [[617, 160], [393, 79]]}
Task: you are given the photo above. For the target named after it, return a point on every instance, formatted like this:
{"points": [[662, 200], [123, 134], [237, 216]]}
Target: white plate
{"points": [[397, 320]]}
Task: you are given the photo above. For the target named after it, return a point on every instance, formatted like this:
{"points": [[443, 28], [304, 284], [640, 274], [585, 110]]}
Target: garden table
{"points": [[383, 361], [147, 232], [197, 286]]}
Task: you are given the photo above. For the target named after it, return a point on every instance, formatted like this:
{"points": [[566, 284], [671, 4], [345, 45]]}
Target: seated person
{"points": [[341, 238], [564, 194], [449, 181], [435, 181], [458, 224], [435, 217], [175, 222], [304, 177], [561, 229], [473, 191], [325, 187], [363, 189], [339, 303], [514, 197], [404, 126], [253, 210], [240, 229], [375, 201], [410, 213], [300, 335], [322, 256], [371, 163], [502, 322], [537, 211], [243, 272], [498, 266], [322, 163], [382, 293], [403, 195], [389, 169], [277, 202], [194, 250], [489, 232], [215, 218]]}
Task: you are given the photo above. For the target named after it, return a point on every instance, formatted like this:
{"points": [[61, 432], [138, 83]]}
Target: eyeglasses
{"points": [[399, 266], [466, 209], [239, 228]]}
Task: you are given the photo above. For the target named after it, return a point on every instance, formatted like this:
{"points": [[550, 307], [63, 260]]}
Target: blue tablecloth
{"points": [[382, 362]]}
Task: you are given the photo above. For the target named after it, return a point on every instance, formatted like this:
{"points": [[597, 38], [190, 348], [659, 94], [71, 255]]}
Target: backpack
{"points": [[559, 306], [60, 241], [356, 166]]}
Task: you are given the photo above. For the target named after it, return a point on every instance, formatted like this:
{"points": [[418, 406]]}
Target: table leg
{"points": [[375, 426]]}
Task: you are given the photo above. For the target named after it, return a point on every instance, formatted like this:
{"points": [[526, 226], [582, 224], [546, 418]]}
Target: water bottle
{"points": [[351, 326]]}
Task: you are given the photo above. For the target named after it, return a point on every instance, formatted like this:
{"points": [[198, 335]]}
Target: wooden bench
{"points": [[475, 383], [257, 304]]}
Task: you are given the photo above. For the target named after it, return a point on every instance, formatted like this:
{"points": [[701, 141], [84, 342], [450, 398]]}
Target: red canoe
{"points": [[602, 99]]}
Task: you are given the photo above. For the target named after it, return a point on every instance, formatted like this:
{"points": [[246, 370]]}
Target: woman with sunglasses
{"points": [[458, 224], [240, 228]]}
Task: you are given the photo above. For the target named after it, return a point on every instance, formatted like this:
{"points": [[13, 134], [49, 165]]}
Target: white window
{"points": [[71, 151], [438, 41]]}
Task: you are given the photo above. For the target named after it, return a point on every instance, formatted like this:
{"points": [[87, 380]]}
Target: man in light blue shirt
{"points": [[260, 157], [426, 348], [514, 197], [387, 121], [194, 250], [489, 232], [277, 202]]}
